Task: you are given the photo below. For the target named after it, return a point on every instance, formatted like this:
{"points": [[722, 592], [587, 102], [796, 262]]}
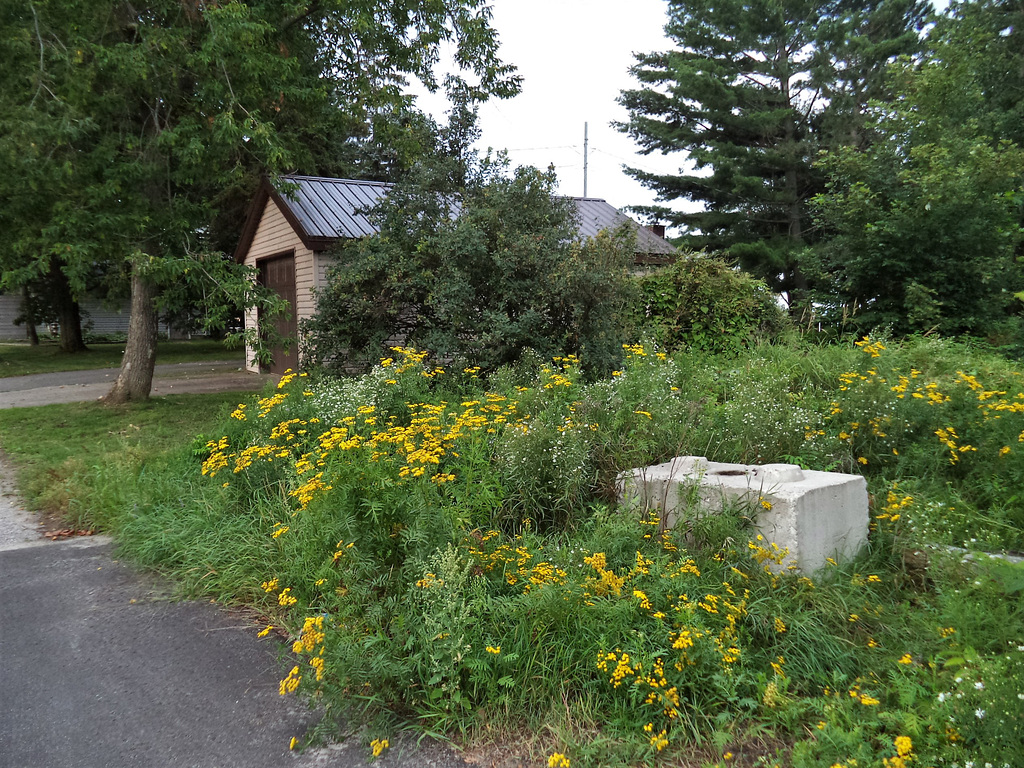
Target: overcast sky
{"points": [[573, 56]]}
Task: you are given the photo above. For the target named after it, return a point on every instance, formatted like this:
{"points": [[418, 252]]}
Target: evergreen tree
{"points": [[750, 93], [989, 35]]}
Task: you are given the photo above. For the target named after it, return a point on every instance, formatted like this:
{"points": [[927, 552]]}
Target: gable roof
{"points": [[322, 210]]}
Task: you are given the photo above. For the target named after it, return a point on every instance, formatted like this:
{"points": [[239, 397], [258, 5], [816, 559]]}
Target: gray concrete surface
{"points": [[101, 667], [171, 379], [813, 516]]}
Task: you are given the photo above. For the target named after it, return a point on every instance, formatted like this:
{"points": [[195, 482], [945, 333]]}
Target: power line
{"points": [[541, 149]]}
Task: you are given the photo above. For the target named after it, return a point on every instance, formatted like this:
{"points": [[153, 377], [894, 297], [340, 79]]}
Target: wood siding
{"points": [[274, 237], [323, 264]]}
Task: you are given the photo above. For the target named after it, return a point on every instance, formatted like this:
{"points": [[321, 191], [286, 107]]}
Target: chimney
{"points": [[658, 229]]}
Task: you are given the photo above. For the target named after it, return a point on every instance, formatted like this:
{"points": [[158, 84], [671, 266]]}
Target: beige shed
{"points": [[286, 236]]}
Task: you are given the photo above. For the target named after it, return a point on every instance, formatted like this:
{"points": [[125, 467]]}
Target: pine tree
{"points": [[750, 93]]}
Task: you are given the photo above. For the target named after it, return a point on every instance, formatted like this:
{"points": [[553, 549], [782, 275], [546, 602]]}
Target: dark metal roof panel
{"points": [[330, 208], [596, 214]]}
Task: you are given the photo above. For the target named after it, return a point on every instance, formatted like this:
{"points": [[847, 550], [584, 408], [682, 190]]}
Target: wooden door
{"points": [[278, 274]]}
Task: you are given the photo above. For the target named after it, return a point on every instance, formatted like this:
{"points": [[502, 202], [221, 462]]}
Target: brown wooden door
{"points": [[278, 274]]}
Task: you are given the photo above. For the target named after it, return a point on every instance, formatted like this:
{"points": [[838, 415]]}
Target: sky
{"points": [[574, 57]]}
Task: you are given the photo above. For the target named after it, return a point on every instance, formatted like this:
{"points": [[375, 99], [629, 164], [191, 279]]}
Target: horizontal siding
{"points": [[97, 319], [273, 235], [10, 308], [323, 264]]}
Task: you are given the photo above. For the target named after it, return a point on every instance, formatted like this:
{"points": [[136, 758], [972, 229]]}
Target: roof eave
{"points": [[265, 193]]}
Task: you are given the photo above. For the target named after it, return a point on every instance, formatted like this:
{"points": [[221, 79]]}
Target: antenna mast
{"points": [[584, 159]]}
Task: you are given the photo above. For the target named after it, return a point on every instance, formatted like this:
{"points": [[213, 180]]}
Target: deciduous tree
{"points": [[922, 226], [476, 266], [160, 114]]}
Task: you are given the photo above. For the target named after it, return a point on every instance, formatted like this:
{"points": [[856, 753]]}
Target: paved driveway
{"points": [[174, 379], [100, 665]]}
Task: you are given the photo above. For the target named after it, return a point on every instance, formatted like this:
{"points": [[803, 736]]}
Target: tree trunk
{"points": [[136, 377], [29, 314], [67, 310]]}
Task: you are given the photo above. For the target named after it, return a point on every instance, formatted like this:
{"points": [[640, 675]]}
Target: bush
{"points": [[503, 275], [703, 304]]}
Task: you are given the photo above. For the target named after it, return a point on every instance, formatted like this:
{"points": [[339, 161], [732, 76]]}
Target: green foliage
{"points": [[702, 304], [437, 549], [477, 266], [750, 92], [922, 224], [924, 235], [130, 140]]}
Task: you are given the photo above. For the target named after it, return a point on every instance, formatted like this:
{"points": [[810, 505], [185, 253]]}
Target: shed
{"points": [[286, 236]]}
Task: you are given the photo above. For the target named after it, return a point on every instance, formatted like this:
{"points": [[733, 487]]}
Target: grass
{"points": [[56, 447], [22, 359], [447, 555]]}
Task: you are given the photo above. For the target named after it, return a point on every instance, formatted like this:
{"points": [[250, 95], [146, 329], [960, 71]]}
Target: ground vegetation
{"points": [[431, 545]]}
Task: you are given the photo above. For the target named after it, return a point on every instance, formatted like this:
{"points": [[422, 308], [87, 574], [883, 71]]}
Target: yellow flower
{"points": [[906, 658], [903, 745], [659, 741], [378, 746], [558, 760], [266, 631], [293, 742], [869, 701], [290, 683], [494, 650]]}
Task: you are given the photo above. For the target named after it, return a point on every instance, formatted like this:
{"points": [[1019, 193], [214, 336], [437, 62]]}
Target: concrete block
{"points": [[814, 515]]}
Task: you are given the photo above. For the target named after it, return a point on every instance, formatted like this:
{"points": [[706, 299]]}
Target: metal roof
{"points": [[596, 214], [332, 208], [324, 209]]}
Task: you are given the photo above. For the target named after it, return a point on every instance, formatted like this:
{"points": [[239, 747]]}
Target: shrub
{"points": [[701, 303], [476, 273]]}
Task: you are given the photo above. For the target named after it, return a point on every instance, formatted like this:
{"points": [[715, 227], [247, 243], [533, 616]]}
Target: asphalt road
{"points": [[172, 379], [101, 667]]}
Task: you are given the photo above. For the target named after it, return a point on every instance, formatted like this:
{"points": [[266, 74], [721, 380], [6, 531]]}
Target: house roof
{"points": [[323, 210]]}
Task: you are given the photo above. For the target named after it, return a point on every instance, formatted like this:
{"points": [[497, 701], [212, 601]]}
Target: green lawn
{"points": [[56, 447], [22, 359]]}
